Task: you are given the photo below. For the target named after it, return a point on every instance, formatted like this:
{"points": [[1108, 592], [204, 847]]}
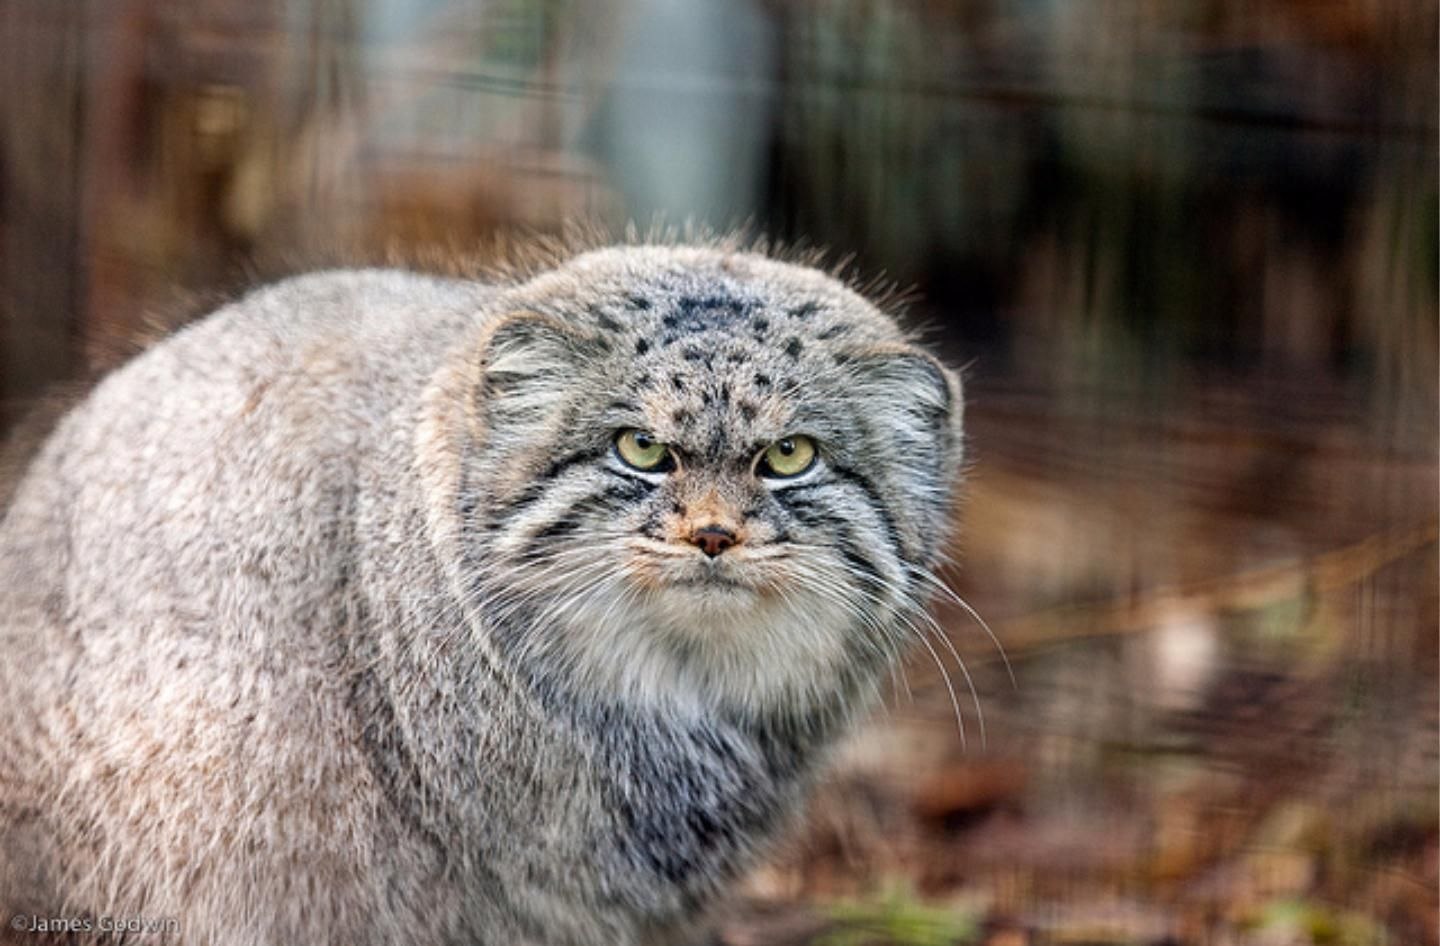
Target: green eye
{"points": [[642, 451], [787, 457]]}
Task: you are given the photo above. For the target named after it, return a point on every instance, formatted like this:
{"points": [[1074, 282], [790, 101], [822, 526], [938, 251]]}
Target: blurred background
{"points": [[1186, 251]]}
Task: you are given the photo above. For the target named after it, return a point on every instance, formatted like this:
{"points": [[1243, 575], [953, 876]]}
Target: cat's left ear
{"points": [[917, 393], [913, 410]]}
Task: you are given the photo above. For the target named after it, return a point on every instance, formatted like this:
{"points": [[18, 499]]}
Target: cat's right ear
{"points": [[528, 360]]}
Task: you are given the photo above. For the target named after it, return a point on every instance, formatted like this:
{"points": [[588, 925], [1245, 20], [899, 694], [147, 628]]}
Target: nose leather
{"points": [[713, 540]]}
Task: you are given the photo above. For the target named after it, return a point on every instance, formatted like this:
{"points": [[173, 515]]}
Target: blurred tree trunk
{"points": [[42, 76]]}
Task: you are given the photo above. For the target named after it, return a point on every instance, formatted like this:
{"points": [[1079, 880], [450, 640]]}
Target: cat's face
{"points": [[706, 476]]}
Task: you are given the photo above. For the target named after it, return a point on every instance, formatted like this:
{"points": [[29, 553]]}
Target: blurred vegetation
{"points": [[1188, 252], [898, 917]]}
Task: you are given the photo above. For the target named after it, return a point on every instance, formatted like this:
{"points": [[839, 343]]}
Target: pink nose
{"points": [[713, 539]]}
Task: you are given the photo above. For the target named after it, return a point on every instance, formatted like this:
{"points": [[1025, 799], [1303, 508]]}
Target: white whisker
{"points": [[938, 584]]}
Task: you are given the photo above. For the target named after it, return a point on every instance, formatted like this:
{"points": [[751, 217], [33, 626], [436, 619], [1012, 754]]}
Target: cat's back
{"points": [[372, 334], [249, 427], [305, 366]]}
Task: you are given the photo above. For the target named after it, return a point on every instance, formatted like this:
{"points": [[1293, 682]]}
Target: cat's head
{"points": [[701, 475]]}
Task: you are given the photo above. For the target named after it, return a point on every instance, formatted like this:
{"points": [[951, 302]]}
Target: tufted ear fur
{"points": [[915, 409], [910, 385], [528, 361]]}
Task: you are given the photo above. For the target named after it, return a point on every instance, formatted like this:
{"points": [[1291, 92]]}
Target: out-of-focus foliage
{"points": [[897, 917]]}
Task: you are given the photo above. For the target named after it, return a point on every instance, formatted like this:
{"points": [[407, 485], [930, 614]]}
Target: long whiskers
{"points": [[935, 582], [922, 636], [900, 614]]}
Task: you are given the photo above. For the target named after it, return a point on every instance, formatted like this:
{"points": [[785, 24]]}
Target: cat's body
{"points": [[336, 618]]}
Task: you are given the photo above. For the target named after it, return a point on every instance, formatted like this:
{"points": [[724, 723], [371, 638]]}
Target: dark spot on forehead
{"points": [[725, 393], [734, 305], [694, 354], [760, 326], [834, 331], [762, 380], [805, 310], [638, 302], [677, 381], [703, 313], [642, 346], [681, 416], [793, 348], [748, 410]]}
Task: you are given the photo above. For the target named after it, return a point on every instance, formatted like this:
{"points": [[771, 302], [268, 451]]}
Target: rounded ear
{"points": [[527, 361], [912, 407], [524, 346], [916, 394]]}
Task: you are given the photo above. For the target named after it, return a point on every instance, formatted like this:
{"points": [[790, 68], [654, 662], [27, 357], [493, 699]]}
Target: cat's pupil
{"points": [[787, 447], [643, 441]]}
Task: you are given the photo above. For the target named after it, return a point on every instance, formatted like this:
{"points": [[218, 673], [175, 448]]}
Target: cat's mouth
{"points": [[707, 576], [713, 586], [725, 577], [711, 580]]}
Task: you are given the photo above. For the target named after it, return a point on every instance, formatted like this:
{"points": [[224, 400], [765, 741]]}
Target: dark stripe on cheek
{"points": [[854, 555], [864, 485], [564, 525], [626, 491], [558, 529], [609, 500], [639, 481], [522, 501], [508, 512], [809, 513], [560, 465]]}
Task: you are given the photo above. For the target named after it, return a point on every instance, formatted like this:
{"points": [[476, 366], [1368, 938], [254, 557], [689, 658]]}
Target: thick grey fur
{"points": [[334, 619]]}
